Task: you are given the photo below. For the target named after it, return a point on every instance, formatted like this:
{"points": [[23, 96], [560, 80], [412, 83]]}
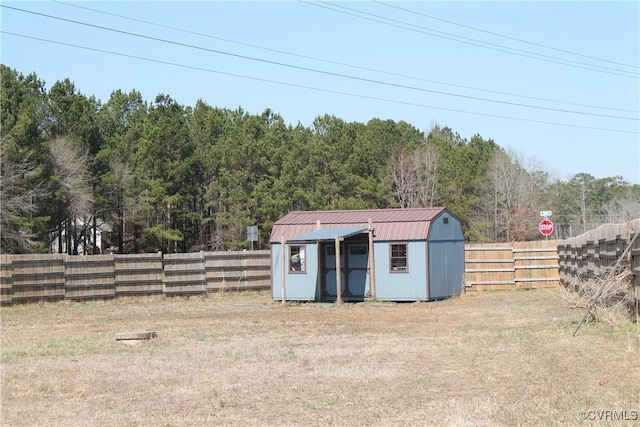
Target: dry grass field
{"points": [[499, 358]]}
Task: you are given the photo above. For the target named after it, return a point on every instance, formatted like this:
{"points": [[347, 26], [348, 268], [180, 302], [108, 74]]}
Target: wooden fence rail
{"points": [[595, 252], [227, 270], [513, 265], [184, 274], [54, 277], [89, 277], [37, 277], [138, 274]]}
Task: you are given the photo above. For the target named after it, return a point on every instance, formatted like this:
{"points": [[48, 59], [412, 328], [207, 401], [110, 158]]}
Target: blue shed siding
{"points": [[393, 286], [451, 231], [298, 286], [446, 256], [446, 268]]}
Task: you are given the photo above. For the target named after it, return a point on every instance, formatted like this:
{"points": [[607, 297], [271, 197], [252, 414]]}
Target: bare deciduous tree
{"points": [[18, 201], [70, 164], [427, 162], [623, 209], [402, 170], [414, 176], [71, 167], [509, 197]]}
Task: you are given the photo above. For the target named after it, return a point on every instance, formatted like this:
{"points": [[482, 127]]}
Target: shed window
{"points": [[445, 220], [358, 250], [398, 258], [331, 249], [297, 260]]}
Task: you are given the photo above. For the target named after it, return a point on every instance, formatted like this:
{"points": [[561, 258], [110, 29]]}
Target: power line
{"points": [[341, 63], [395, 6], [473, 42], [316, 88], [556, 59], [323, 72]]}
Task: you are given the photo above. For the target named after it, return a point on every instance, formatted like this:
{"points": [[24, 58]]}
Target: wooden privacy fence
{"points": [[595, 252], [54, 277], [513, 265], [538, 264]]}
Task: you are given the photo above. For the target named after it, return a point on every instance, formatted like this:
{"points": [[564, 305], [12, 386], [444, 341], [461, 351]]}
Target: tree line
{"points": [[161, 176]]}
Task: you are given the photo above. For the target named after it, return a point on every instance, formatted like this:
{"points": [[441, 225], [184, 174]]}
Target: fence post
{"points": [[635, 267], [6, 280], [338, 272], [372, 266], [283, 270]]}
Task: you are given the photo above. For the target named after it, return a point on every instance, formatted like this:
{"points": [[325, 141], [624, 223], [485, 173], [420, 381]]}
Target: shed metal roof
{"points": [[389, 224], [325, 234]]}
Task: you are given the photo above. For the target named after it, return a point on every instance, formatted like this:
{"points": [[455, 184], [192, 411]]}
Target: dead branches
{"points": [[609, 283], [607, 300]]}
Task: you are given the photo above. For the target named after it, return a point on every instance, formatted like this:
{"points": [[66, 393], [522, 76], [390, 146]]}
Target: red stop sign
{"points": [[546, 227]]}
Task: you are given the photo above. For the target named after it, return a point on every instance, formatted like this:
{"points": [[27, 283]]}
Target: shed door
{"points": [[329, 284], [446, 268], [354, 262], [358, 262]]}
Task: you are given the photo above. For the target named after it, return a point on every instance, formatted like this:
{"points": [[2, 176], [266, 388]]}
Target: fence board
{"points": [[635, 264], [238, 270], [37, 277], [511, 265], [184, 274], [139, 274], [595, 252], [489, 266], [89, 277], [536, 264]]}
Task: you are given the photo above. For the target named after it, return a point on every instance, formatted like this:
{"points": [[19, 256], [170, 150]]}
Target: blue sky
{"points": [[536, 77]]}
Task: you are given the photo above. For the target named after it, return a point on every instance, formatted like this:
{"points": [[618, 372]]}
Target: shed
{"points": [[352, 255]]}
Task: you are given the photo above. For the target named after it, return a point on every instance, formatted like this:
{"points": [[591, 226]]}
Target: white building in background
{"points": [[79, 237]]}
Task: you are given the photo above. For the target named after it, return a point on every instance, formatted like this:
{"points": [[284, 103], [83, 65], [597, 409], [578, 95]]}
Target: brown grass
{"points": [[495, 358]]}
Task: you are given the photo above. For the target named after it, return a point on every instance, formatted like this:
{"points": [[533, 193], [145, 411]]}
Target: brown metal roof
{"points": [[389, 224]]}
